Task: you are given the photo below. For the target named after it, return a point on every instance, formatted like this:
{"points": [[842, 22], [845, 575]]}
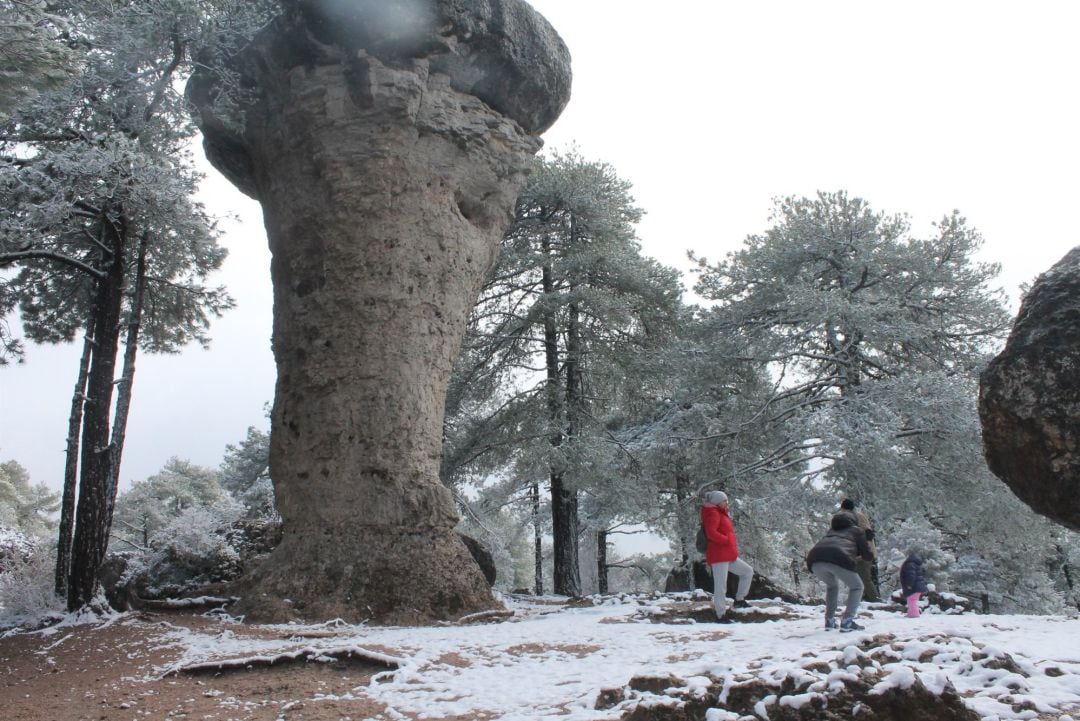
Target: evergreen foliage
{"points": [[837, 356], [149, 506], [96, 185], [245, 474], [35, 50], [550, 349], [875, 339], [25, 507]]}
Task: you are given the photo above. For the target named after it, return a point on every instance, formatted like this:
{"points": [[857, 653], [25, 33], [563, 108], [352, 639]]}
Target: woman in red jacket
{"points": [[722, 554]]}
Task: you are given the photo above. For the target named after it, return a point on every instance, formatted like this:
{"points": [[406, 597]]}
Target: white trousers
{"points": [[720, 571]]}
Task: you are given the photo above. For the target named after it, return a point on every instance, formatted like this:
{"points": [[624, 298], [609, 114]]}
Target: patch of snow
{"points": [[551, 660]]}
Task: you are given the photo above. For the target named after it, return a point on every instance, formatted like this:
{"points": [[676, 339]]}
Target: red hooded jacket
{"points": [[720, 532]]}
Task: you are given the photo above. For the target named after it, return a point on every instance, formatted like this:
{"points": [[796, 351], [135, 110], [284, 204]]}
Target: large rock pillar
{"points": [[387, 142]]}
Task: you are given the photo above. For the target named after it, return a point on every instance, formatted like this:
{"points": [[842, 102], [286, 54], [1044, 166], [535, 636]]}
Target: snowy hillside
{"points": [[648, 657]]}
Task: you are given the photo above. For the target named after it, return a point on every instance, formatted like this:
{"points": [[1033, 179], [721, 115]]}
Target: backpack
{"points": [[701, 542]]}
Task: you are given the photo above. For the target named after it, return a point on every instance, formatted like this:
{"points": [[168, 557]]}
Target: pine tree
{"points": [[150, 505], [874, 338], [870, 331], [96, 186], [245, 473], [568, 304]]}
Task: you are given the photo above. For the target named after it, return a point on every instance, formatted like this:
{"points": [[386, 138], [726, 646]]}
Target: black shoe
{"points": [[830, 624], [848, 624], [726, 618], [741, 603]]}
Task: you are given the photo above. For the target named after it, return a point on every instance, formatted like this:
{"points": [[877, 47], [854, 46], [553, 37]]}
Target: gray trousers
{"points": [[833, 576], [741, 569]]}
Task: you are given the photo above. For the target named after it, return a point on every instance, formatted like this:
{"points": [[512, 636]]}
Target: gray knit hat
{"points": [[715, 497]]}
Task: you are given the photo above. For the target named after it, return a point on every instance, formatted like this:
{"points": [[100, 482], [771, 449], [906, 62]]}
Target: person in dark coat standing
{"points": [[912, 583], [722, 554], [833, 559], [867, 569]]}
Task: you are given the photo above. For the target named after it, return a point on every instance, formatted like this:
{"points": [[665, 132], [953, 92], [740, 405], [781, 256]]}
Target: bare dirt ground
{"points": [[114, 673]]}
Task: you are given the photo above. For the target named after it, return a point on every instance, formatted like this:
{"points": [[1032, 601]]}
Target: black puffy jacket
{"points": [[842, 545], [911, 576]]}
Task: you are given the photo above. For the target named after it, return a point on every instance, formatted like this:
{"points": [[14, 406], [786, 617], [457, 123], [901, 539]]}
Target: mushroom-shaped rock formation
{"points": [[387, 141], [1029, 398]]}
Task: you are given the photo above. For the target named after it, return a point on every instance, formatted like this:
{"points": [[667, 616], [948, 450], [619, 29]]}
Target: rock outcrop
{"points": [[1029, 398], [760, 586], [387, 142], [666, 698]]}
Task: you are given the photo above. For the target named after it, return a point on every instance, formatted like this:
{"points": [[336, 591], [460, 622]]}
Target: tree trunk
{"points": [[564, 499], [538, 541], [71, 467], [601, 560], [125, 386], [566, 576], [386, 187], [687, 518], [91, 514], [565, 531]]}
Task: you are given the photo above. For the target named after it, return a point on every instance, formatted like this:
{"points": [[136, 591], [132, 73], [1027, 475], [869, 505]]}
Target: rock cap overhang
{"points": [[500, 51]]}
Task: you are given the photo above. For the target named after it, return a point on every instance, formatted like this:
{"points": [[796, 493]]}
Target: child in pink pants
{"points": [[912, 582]]}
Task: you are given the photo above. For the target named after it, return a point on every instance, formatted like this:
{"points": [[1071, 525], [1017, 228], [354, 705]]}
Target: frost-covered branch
{"points": [[13, 257]]}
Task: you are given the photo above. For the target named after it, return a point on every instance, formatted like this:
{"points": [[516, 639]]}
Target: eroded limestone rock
{"points": [[1029, 398], [666, 698], [387, 141]]}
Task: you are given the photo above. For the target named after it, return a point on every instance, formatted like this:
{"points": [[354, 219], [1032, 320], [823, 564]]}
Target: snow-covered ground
{"points": [[551, 659]]}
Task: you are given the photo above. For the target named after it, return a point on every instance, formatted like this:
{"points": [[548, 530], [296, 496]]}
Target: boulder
{"points": [[1029, 398], [678, 579], [760, 586], [947, 602]]}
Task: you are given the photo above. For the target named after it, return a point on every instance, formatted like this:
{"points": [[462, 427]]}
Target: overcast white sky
{"points": [[711, 109]]}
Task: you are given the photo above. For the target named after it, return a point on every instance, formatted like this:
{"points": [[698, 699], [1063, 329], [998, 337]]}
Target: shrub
{"points": [[191, 551], [26, 583]]}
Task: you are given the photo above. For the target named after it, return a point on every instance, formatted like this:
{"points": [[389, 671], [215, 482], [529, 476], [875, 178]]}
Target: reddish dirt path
{"points": [[106, 673]]}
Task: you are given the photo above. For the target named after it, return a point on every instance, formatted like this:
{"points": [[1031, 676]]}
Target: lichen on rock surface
{"points": [[1029, 398], [387, 143]]}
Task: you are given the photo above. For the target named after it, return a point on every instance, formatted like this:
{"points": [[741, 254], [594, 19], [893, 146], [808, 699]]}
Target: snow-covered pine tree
{"points": [[146, 508], [570, 300], [245, 473], [96, 186], [26, 507], [874, 338]]}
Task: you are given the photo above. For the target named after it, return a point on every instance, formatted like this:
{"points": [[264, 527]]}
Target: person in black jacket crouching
{"points": [[834, 559]]}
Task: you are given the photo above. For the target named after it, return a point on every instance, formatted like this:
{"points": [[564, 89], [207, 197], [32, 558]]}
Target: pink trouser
{"points": [[913, 605]]}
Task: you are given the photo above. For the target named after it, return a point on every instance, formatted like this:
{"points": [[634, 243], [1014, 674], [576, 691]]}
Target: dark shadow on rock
{"points": [[482, 556]]}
